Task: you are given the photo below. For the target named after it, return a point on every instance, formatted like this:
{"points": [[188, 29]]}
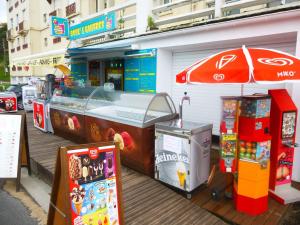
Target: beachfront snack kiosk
{"points": [[86, 115]]}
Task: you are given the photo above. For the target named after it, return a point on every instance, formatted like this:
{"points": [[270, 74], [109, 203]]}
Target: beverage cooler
{"points": [[41, 105], [8, 102], [182, 154], [29, 93]]}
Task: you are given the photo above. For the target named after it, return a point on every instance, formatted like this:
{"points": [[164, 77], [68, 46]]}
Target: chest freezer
{"points": [[182, 153]]}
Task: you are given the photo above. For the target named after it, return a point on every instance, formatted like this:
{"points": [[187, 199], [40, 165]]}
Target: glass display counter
{"points": [[95, 115], [67, 107]]}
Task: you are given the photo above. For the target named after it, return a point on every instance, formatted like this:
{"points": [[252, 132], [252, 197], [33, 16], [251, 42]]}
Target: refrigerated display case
{"points": [[8, 102], [182, 154], [29, 93], [67, 107], [128, 119]]}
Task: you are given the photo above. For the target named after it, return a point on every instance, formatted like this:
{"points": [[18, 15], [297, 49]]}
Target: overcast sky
{"points": [[3, 11]]}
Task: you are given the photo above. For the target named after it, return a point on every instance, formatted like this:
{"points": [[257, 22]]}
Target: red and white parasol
{"points": [[243, 65]]}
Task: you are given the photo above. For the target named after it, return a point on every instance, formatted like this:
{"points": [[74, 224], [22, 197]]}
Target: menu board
{"points": [[93, 189], [9, 145], [140, 71]]}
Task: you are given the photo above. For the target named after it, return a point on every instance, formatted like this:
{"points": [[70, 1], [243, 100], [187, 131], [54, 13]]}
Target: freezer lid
{"points": [[188, 127]]}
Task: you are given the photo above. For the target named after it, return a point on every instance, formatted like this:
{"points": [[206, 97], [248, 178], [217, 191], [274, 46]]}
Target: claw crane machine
{"points": [[283, 130]]}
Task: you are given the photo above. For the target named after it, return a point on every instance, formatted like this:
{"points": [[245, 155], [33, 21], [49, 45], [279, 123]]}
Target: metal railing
{"points": [[180, 12], [125, 21]]}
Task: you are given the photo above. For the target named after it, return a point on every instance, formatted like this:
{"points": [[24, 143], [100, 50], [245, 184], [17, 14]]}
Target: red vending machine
{"points": [[228, 131], [283, 130], [254, 142]]}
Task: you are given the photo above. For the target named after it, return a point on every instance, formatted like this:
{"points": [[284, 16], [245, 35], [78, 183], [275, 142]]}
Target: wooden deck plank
{"points": [[146, 201]]}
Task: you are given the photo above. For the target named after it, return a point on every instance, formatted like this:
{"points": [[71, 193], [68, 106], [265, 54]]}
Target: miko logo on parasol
{"points": [[286, 74], [276, 61]]}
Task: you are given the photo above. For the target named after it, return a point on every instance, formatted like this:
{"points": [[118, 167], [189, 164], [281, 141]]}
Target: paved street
{"points": [[12, 211]]}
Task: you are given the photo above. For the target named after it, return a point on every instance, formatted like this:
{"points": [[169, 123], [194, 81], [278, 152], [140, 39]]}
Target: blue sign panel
{"points": [[59, 27], [140, 71], [93, 26]]}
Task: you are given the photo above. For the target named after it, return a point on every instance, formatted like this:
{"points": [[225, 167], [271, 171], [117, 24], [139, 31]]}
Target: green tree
{"points": [[3, 53]]}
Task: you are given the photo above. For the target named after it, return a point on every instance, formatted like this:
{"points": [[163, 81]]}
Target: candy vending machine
{"points": [[283, 130], [252, 177]]}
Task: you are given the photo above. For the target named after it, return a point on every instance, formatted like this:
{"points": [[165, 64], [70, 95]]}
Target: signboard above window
{"points": [[93, 26], [59, 27]]}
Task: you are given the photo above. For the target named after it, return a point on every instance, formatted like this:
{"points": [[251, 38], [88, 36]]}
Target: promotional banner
{"points": [[93, 26], [93, 186], [140, 71], [59, 27], [44, 61]]}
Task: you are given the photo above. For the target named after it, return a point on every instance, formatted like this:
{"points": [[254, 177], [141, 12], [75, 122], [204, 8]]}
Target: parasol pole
{"points": [[250, 64]]}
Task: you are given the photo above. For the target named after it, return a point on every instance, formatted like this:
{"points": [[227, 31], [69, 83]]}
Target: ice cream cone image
{"points": [[78, 207]]}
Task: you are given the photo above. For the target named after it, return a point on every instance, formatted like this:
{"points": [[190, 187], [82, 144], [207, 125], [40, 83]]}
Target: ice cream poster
{"points": [[59, 27], [39, 115], [93, 186]]}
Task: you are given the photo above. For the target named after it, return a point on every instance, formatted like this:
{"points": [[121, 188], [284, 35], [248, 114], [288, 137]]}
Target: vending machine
{"points": [[228, 134], [254, 143], [283, 130], [8, 102]]}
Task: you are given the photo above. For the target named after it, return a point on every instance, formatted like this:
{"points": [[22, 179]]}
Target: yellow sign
{"points": [[44, 61]]}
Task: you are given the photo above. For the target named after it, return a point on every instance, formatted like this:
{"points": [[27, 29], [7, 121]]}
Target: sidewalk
{"points": [[12, 211]]}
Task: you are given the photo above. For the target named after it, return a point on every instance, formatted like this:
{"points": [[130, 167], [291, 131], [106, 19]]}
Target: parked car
{"points": [[17, 89]]}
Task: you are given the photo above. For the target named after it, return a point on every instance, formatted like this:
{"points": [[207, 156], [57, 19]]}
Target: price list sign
{"points": [[9, 145]]}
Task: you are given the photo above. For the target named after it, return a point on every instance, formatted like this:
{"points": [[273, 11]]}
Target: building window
{"points": [[105, 4], [45, 42], [23, 14], [56, 40], [18, 41], [45, 17], [11, 22], [17, 20], [167, 1]]}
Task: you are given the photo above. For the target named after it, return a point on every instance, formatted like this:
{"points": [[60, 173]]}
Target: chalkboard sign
{"points": [[87, 187], [14, 151]]}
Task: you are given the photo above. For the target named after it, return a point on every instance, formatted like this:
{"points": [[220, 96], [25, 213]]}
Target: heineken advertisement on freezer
{"points": [[182, 155]]}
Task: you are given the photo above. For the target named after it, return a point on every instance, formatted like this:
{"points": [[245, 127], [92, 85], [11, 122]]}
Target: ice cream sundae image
{"points": [[75, 168], [101, 166], [110, 170], [118, 139], [77, 195]]}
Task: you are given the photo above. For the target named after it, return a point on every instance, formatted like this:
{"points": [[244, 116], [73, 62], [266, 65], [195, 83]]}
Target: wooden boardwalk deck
{"points": [[147, 201]]}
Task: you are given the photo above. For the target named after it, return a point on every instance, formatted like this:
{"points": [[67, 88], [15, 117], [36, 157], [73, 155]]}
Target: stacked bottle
{"points": [[252, 180]]}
